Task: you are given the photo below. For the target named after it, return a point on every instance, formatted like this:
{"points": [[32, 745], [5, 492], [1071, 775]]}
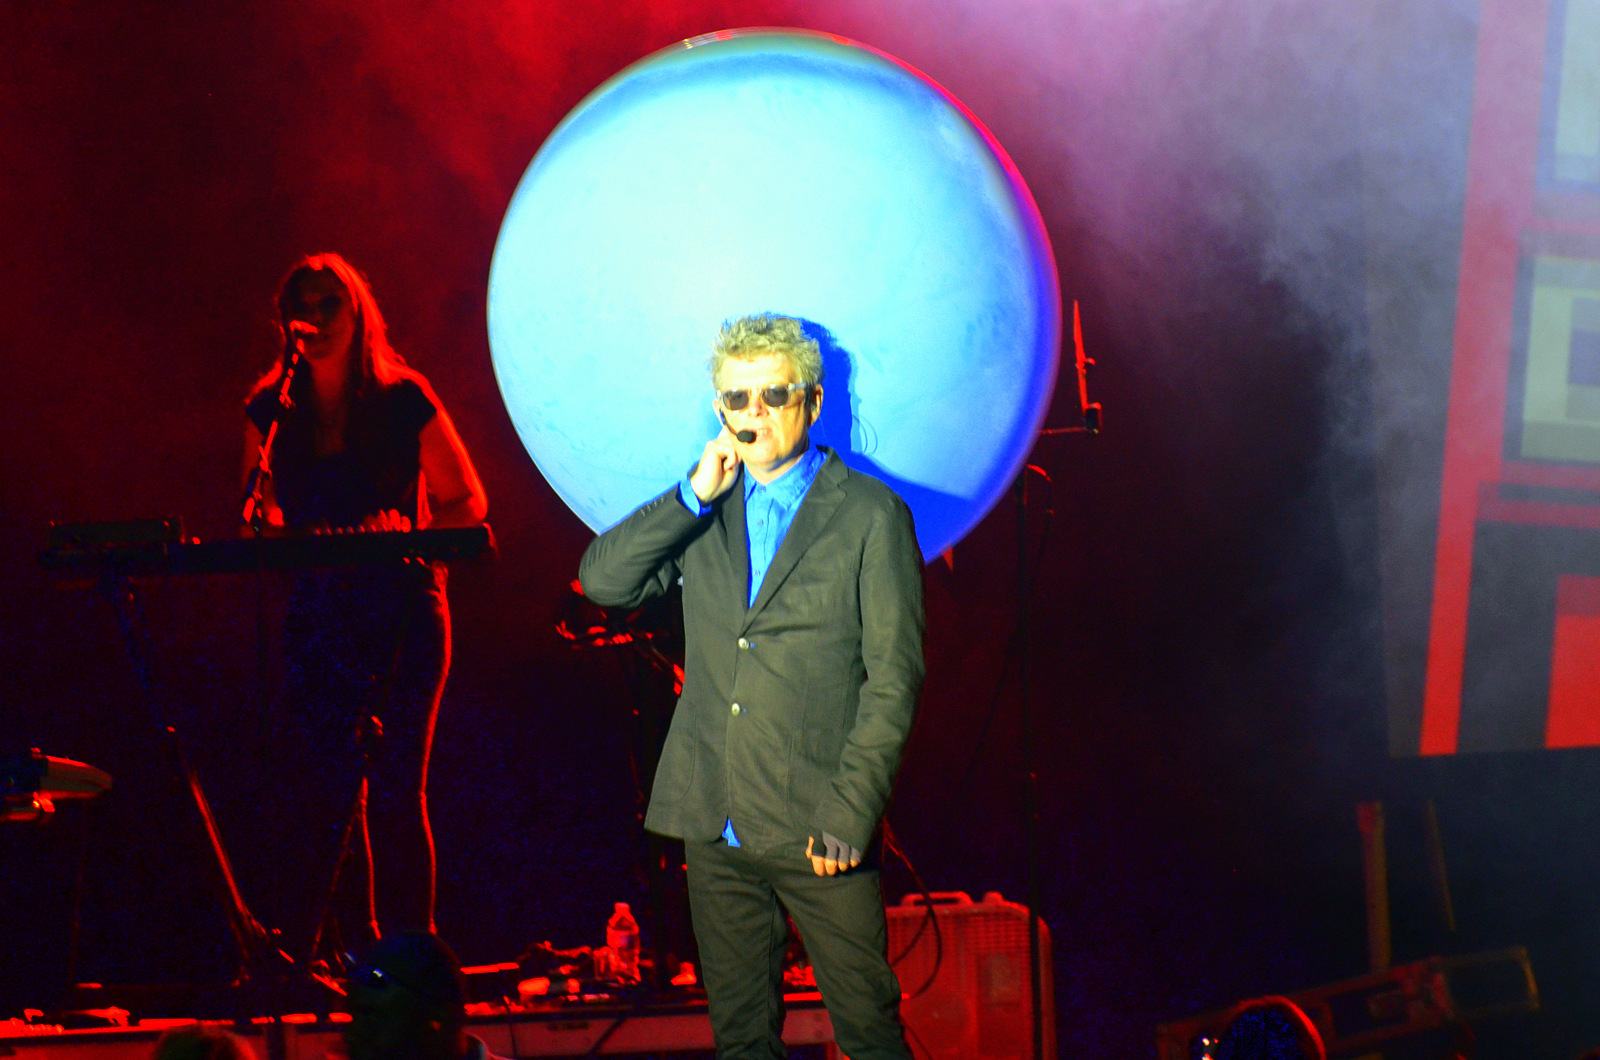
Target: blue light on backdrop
{"points": [[788, 172]]}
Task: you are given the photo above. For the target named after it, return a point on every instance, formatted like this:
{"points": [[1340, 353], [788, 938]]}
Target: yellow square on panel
{"points": [[1561, 391], [1577, 117]]}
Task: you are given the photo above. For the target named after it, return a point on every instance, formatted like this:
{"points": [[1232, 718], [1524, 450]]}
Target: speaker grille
{"points": [[977, 1006]]}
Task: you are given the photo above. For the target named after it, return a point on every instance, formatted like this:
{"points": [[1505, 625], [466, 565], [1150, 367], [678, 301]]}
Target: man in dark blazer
{"points": [[803, 623]]}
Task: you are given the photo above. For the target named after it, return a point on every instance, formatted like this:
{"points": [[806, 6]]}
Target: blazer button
{"points": [[736, 709], [744, 645]]}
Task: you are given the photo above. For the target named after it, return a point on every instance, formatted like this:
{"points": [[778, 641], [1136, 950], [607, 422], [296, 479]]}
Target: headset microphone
{"points": [[746, 437]]}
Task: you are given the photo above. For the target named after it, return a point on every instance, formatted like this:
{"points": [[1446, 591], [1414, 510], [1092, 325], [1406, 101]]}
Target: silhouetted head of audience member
{"points": [[201, 1043], [1270, 1028], [407, 1001]]}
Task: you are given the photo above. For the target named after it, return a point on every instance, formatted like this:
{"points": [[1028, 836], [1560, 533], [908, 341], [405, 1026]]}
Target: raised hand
{"points": [[719, 466]]}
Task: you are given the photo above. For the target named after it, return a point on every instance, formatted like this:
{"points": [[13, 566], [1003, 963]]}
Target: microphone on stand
{"points": [[298, 332], [295, 336]]}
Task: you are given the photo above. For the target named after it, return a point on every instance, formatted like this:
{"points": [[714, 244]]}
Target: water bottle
{"points": [[622, 938]]}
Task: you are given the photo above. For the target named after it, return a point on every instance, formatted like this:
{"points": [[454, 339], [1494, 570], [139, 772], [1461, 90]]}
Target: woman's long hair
{"points": [[375, 361]]}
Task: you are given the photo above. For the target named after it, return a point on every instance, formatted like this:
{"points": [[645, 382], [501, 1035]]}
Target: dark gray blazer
{"points": [[794, 711]]}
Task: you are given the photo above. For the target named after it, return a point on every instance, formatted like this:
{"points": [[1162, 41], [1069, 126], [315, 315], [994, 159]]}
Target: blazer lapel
{"points": [[821, 501]]}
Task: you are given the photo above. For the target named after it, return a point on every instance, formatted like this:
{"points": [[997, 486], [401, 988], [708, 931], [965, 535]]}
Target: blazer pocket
{"points": [[815, 762], [807, 784], [675, 771]]}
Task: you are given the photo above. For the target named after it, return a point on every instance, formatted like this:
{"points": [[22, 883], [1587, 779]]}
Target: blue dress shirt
{"points": [[769, 511]]}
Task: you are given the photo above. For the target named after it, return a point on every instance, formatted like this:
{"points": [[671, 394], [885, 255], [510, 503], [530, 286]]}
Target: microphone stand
{"points": [[254, 514], [1088, 422]]}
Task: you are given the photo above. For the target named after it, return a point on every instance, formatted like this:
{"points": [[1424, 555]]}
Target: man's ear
{"points": [[814, 403]]}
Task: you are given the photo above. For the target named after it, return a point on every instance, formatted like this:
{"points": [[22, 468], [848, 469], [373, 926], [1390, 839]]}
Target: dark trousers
{"points": [[369, 643], [738, 901]]}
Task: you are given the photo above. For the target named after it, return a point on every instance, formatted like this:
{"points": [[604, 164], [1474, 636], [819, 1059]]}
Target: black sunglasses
{"points": [[776, 396]]}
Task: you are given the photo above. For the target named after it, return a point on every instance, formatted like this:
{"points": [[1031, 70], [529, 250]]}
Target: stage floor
{"points": [[575, 1029]]}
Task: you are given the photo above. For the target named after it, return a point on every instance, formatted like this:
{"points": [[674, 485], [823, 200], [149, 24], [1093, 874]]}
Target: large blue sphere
{"points": [[785, 172]]}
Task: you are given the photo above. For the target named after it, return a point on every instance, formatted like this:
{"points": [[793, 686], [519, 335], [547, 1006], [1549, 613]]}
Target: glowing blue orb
{"points": [[785, 172]]}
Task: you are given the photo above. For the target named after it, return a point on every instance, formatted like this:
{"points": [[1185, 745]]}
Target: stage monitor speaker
{"points": [[967, 987]]}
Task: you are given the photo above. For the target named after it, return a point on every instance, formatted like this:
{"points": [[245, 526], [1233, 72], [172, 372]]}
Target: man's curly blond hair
{"points": [[764, 333]]}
